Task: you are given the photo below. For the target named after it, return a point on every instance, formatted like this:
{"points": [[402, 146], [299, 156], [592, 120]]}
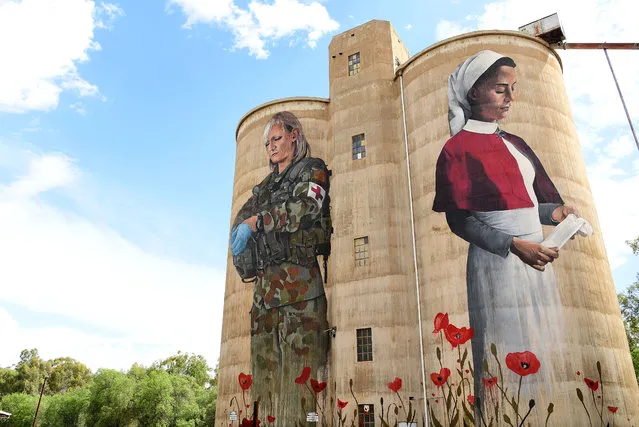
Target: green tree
{"points": [[8, 381], [110, 399], [67, 409], [31, 371], [186, 407], [634, 245], [153, 401], [629, 304], [22, 408], [67, 374], [207, 399], [137, 372], [188, 365]]}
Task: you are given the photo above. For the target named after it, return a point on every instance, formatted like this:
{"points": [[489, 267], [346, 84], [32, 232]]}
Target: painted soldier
{"points": [[276, 238]]}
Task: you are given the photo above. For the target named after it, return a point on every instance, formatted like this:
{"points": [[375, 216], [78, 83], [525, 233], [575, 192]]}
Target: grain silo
{"points": [[384, 104]]}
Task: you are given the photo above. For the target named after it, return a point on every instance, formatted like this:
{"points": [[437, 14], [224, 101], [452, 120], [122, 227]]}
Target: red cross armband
{"points": [[317, 193]]}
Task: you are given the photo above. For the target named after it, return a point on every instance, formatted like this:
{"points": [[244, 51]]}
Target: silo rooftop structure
{"points": [[396, 269]]}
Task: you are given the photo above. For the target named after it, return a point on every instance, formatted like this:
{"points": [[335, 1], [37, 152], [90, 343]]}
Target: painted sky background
{"points": [[117, 150]]}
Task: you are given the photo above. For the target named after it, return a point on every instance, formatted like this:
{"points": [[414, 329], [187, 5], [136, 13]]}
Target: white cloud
{"points": [[204, 11], [45, 173], [49, 38], [105, 14], [445, 29], [409, 27], [601, 122], [54, 261], [78, 107], [262, 23], [614, 182]]}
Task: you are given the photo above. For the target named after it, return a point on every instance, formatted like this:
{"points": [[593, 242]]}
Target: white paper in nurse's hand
{"points": [[565, 230]]}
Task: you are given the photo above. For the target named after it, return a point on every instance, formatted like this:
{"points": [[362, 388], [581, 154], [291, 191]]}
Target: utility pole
{"points": [[35, 417]]}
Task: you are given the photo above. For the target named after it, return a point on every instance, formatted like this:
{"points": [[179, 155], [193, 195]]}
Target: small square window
{"points": [[353, 64], [359, 146], [366, 415], [361, 251], [364, 345]]}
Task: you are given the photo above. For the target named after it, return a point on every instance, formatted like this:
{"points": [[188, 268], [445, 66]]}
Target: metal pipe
{"points": [[412, 225], [624, 46], [632, 129]]}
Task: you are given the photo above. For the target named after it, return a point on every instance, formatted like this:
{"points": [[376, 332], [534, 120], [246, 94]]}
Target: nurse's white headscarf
{"points": [[461, 81]]}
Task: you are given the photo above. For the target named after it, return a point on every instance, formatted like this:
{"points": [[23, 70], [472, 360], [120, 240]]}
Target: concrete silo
{"points": [[380, 101]]}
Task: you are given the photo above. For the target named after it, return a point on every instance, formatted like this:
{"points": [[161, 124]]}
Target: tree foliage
{"points": [[629, 304], [31, 370], [111, 399], [188, 365], [22, 407], [634, 245], [67, 375], [175, 392], [67, 409]]}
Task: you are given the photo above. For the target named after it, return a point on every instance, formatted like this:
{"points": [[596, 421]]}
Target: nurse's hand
{"points": [[533, 254], [561, 212]]}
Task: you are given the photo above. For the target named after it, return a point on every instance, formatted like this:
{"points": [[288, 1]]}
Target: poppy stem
{"points": [[317, 404], [602, 393], [244, 399], [518, 392], [441, 339], [586, 409], [594, 403], [403, 407], [462, 371], [524, 419]]}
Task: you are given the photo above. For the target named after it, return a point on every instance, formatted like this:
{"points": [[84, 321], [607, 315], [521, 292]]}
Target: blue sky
{"points": [[117, 150]]}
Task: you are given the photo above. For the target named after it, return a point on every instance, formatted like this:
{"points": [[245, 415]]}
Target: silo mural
{"points": [[454, 294]]}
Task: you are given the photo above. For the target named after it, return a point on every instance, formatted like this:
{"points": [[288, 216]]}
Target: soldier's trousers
{"points": [[284, 340]]}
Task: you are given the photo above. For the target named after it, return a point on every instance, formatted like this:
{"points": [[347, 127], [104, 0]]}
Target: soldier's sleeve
{"points": [[246, 211], [310, 194]]}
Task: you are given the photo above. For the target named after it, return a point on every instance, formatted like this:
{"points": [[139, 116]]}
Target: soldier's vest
{"points": [[301, 247]]}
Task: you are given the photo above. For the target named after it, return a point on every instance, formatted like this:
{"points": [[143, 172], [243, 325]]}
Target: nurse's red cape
{"points": [[476, 172]]}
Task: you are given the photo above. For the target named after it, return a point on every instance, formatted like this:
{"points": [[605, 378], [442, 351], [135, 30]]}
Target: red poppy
{"points": [[471, 399], [613, 409], [592, 385], [271, 419], [341, 405], [317, 386], [248, 423], [306, 373], [440, 378], [457, 336], [441, 321], [524, 363], [395, 385], [489, 382], [578, 372], [245, 380]]}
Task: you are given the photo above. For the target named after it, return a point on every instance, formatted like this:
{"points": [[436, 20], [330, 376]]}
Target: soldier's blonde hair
{"points": [[289, 122]]}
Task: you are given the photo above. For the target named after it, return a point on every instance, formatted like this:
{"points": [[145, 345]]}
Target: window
{"points": [[364, 345], [366, 415], [361, 251], [359, 146], [353, 64]]}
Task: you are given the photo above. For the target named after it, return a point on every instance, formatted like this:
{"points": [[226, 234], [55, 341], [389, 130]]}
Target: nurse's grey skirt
{"points": [[518, 310]]}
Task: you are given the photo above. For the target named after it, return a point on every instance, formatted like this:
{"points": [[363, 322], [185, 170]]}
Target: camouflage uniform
{"points": [[288, 316]]}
